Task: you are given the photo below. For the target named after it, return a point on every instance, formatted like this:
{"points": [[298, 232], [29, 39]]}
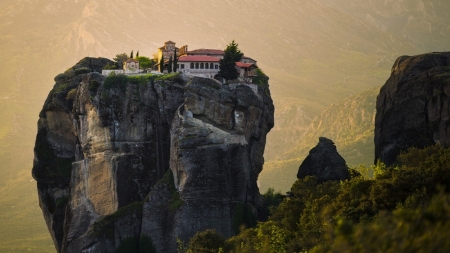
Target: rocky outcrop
{"points": [[324, 162], [413, 106], [137, 162]]}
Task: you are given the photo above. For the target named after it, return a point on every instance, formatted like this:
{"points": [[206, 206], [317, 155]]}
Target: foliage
{"points": [[116, 82], [169, 68], [93, 85], [175, 60], [120, 58], [405, 230], [161, 64], [82, 70], [60, 87], [232, 54], [404, 208], [260, 78], [71, 94], [137, 54], [272, 199], [208, 241], [112, 66], [145, 62]]}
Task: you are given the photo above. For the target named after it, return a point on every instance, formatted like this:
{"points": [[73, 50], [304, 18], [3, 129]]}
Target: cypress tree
{"points": [[170, 65], [175, 60], [227, 65], [161, 64], [137, 54], [131, 54]]}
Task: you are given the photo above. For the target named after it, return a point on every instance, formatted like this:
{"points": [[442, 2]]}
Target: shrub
{"points": [[82, 70], [116, 82], [208, 241], [71, 94]]}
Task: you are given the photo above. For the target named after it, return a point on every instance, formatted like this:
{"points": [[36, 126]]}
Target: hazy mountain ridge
{"points": [[316, 52], [350, 124]]}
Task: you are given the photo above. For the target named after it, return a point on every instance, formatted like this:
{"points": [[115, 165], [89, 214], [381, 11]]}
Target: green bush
{"points": [[208, 241], [71, 94], [82, 70], [116, 82], [391, 213]]}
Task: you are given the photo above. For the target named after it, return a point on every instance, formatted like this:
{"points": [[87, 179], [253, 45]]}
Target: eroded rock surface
{"points": [[324, 162], [142, 161], [413, 106]]}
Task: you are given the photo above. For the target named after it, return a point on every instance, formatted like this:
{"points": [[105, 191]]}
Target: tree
{"points": [[145, 62], [161, 64], [137, 54], [131, 54], [175, 60], [169, 69], [120, 58], [232, 54], [208, 241]]}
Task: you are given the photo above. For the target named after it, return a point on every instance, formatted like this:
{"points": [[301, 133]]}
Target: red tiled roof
{"points": [[205, 51], [169, 42], [244, 65], [198, 58]]}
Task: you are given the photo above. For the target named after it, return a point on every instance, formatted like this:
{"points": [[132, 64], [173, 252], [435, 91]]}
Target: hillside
{"points": [[316, 53], [350, 124]]}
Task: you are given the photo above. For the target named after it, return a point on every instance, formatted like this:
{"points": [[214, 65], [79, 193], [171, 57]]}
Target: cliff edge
{"points": [[413, 106], [135, 162]]}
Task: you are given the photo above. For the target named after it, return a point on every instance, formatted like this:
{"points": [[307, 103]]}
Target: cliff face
{"points": [[137, 162], [413, 106]]}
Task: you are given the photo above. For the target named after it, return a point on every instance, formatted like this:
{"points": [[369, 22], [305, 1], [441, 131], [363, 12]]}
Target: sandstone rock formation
{"points": [[137, 162], [413, 106], [324, 162]]}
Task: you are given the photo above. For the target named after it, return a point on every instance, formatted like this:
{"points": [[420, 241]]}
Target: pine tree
{"points": [[131, 54], [175, 60], [170, 64], [161, 64], [232, 54], [137, 54]]}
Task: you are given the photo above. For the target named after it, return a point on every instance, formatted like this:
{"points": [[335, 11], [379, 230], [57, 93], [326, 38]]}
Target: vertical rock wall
{"points": [[413, 106], [138, 161]]}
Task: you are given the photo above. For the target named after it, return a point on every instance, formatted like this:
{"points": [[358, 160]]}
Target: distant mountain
{"points": [[316, 52], [350, 124]]}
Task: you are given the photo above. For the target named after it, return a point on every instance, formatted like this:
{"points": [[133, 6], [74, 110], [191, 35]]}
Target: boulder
{"points": [[324, 162]]}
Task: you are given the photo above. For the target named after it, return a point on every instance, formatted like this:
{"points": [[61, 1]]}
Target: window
{"points": [[206, 66], [202, 66], [182, 66], [196, 65], [216, 66], [178, 66], [192, 65], [211, 65]]}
